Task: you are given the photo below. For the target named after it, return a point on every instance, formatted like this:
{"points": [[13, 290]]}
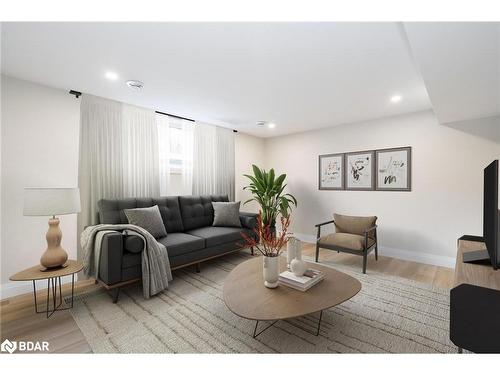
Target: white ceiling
{"points": [[300, 76], [460, 66]]}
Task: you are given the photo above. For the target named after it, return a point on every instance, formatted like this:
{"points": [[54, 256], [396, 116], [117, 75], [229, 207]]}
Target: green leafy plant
{"points": [[267, 191]]}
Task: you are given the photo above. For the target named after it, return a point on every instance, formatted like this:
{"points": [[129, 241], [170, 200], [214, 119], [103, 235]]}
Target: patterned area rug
{"points": [[388, 315]]}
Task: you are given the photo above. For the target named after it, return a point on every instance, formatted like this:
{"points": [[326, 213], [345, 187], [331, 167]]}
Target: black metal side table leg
{"points": [[54, 289]]}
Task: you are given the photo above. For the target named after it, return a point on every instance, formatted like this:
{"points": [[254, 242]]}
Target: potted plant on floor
{"points": [[268, 192], [269, 243]]}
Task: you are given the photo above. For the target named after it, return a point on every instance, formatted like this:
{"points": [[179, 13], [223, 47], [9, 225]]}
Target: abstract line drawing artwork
{"points": [[359, 170], [331, 172], [394, 169]]}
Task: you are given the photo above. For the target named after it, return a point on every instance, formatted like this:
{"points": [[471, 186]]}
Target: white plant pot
{"points": [[271, 271]]}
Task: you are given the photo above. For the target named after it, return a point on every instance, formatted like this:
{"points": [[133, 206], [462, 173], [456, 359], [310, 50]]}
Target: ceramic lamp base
{"points": [[55, 256]]}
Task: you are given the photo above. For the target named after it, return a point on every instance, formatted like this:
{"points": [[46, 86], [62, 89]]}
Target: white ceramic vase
{"points": [[291, 250], [271, 271]]}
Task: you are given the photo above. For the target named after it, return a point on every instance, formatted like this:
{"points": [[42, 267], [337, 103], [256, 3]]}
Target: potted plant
{"points": [[268, 191], [269, 244]]}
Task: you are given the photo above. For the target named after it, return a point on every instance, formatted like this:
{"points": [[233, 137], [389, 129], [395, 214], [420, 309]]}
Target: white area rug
{"points": [[389, 315]]}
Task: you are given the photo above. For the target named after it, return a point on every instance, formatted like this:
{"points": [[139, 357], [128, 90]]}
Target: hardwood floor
{"points": [[19, 321]]}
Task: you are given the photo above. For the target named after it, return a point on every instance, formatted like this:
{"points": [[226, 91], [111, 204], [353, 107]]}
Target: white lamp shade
{"points": [[51, 201]]}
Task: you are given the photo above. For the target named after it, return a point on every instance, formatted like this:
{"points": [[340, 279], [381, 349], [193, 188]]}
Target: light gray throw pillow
{"points": [[148, 218], [226, 214]]}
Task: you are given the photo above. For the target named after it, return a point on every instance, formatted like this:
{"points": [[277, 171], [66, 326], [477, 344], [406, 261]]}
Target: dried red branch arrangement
{"points": [[271, 242]]}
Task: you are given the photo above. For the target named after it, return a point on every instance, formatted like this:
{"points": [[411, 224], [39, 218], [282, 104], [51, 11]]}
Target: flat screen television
{"points": [[491, 221]]}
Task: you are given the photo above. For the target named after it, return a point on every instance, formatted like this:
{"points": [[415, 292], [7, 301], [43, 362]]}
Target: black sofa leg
{"points": [[251, 250], [317, 253], [115, 293], [365, 256], [197, 267], [376, 252]]}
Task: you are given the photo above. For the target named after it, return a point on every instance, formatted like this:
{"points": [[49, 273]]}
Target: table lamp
{"points": [[52, 202]]}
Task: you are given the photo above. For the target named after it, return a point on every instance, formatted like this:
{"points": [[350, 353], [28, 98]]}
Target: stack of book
{"points": [[311, 277]]}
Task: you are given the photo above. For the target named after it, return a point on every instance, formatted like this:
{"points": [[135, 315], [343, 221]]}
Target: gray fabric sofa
{"points": [[191, 238]]}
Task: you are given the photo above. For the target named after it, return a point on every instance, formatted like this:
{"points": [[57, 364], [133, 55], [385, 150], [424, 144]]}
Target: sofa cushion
{"points": [[226, 214], [111, 211], [181, 243], [148, 218], [197, 211], [219, 235], [345, 240], [353, 224]]}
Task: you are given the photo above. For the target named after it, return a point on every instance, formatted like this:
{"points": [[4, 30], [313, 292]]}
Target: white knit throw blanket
{"points": [[156, 271]]}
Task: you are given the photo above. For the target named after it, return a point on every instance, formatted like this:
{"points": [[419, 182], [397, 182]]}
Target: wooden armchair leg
{"points": [[376, 251], [317, 252], [251, 250], [365, 256]]}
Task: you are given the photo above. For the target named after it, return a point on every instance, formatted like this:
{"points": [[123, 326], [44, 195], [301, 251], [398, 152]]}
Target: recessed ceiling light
{"points": [[396, 98], [112, 76], [136, 85], [271, 125]]}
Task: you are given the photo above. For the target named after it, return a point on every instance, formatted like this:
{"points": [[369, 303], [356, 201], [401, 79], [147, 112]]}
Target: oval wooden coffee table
{"points": [[246, 296]]}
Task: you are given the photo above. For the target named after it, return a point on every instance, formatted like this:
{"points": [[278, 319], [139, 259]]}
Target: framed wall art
{"points": [[393, 169], [359, 170], [331, 172]]}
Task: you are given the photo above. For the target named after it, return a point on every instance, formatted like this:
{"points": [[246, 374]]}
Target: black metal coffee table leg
{"points": [[255, 334]]}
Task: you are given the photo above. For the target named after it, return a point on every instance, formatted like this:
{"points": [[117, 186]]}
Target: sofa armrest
{"points": [[110, 263], [248, 220]]}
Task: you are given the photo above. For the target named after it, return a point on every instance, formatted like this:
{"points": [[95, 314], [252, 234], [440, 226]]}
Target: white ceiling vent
{"points": [[136, 85]]}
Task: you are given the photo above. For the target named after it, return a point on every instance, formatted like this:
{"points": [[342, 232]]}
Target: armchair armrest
{"points": [[319, 228], [326, 222], [370, 229], [366, 235]]}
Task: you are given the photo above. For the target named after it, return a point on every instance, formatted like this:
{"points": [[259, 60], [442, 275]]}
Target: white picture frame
{"points": [[331, 172], [359, 170]]}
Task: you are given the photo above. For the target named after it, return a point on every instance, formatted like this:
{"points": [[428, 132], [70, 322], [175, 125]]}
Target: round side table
{"points": [[54, 289]]}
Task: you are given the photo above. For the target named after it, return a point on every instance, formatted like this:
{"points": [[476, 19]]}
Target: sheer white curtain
{"points": [[118, 154], [213, 163], [175, 146]]}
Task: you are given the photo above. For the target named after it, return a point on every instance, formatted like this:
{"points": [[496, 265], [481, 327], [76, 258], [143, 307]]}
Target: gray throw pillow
{"points": [[148, 218], [226, 214]]}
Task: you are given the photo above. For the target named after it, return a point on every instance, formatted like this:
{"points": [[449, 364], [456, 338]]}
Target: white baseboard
{"points": [[16, 288], [426, 258]]}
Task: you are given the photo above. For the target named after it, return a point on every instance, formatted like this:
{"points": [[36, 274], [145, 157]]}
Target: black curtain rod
{"points": [[179, 117], [77, 94]]}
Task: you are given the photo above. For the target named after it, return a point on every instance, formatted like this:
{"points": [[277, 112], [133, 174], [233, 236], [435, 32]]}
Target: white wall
{"points": [[422, 225], [39, 148], [248, 150]]}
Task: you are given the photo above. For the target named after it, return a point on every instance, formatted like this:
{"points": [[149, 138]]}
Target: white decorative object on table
{"points": [[271, 271], [298, 267], [292, 248]]}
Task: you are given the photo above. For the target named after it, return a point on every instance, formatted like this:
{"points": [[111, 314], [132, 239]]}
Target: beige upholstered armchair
{"points": [[353, 234]]}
